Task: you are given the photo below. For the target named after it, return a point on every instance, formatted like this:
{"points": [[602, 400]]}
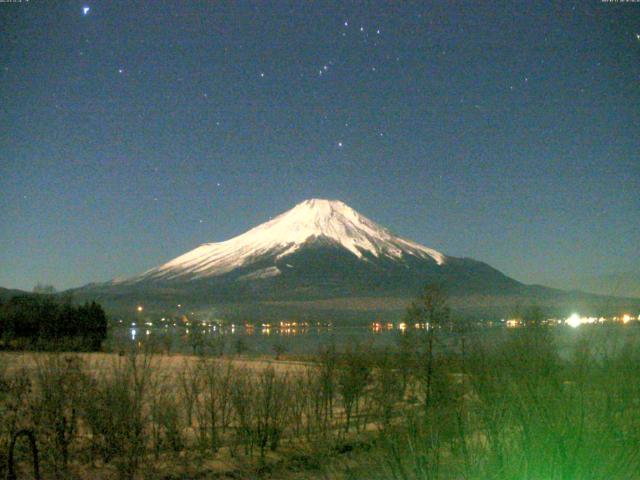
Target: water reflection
{"points": [[296, 337]]}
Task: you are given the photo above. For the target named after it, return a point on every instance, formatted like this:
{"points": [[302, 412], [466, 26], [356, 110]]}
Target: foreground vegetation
{"points": [[511, 407]]}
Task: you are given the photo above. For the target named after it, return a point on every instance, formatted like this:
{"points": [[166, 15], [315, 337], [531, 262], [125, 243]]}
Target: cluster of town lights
{"points": [[293, 327], [575, 320]]}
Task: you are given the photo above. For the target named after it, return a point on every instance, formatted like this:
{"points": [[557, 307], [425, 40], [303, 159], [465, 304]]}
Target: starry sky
{"points": [[132, 131]]}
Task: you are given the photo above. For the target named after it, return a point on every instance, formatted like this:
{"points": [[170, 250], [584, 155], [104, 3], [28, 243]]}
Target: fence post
{"points": [[11, 473]]}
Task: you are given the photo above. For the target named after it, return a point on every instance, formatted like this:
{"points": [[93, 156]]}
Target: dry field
{"points": [[515, 408], [97, 362]]}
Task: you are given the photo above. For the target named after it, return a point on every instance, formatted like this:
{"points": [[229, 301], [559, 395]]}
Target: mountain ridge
{"points": [[322, 252]]}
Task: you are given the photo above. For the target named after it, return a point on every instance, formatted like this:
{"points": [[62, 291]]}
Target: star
{"points": [[339, 144], [120, 70], [638, 36], [262, 74], [85, 10]]}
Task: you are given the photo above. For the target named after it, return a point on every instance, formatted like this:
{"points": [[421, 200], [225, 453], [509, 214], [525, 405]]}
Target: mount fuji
{"points": [[312, 223], [321, 255]]}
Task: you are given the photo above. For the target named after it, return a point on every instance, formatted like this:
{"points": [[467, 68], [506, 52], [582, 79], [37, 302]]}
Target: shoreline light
{"points": [[574, 320]]}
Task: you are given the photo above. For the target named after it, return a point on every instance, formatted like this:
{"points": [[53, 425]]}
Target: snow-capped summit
{"points": [[331, 222], [309, 262]]}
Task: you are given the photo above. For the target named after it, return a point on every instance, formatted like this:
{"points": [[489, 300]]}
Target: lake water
{"points": [[256, 340], [310, 340]]}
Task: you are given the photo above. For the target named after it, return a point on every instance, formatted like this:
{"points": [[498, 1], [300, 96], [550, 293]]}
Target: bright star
{"points": [[85, 10], [120, 70], [340, 144]]}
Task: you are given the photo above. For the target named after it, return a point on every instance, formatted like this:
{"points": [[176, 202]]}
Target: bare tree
{"points": [[432, 312]]}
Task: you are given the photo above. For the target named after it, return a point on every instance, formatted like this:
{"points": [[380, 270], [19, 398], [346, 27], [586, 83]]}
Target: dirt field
{"points": [[12, 361]]}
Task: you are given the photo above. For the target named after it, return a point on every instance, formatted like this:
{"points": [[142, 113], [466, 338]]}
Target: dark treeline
{"points": [[46, 323]]}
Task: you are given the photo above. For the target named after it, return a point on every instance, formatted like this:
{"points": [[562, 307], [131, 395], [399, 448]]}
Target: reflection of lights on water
{"points": [[140, 308], [626, 318], [133, 334]]}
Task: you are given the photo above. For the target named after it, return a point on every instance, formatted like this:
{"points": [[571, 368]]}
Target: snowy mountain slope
{"points": [[330, 222], [319, 253]]}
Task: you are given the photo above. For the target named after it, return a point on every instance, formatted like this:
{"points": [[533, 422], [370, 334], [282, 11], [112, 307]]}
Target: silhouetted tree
{"points": [[431, 310], [279, 349]]}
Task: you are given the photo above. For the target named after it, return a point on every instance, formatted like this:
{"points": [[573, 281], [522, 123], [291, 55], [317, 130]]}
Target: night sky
{"points": [[132, 131]]}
